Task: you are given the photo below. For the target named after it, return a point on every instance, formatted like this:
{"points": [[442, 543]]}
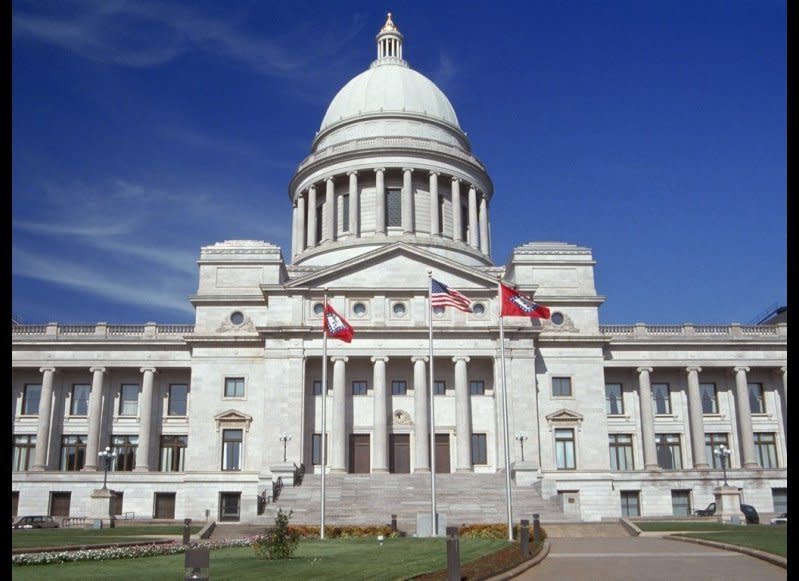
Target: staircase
{"points": [[368, 499]]}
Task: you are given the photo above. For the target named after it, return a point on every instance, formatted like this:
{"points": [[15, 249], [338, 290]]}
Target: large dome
{"points": [[389, 88]]}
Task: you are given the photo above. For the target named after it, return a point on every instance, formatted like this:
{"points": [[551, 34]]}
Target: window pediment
{"points": [[233, 419], [564, 418]]}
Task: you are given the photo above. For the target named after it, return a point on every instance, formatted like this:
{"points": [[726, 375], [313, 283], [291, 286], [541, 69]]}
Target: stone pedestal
{"points": [[284, 471], [101, 507], [525, 473], [728, 503]]}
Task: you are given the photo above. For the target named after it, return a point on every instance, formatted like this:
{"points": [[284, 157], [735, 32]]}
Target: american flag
{"points": [[443, 296]]}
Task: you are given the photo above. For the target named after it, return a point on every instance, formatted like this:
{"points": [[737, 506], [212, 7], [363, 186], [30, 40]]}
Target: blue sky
{"points": [[653, 133]]}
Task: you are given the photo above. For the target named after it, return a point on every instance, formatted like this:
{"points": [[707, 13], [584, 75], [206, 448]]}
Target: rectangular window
{"points": [[479, 450], [173, 453], [178, 399], [399, 387], [561, 387], [713, 441], [630, 504], [73, 452], [464, 222], [31, 394], [661, 398], [621, 452], [477, 387], [439, 387], [345, 213], [757, 404], [80, 399], [779, 496], [710, 403], [766, 449], [231, 449], [614, 404], [668, 451], [129, 399], [316, 449], [124, 450], [316, 387], [393, 207], [234, 387], [319, 222], [229, 506], [564, 449], [24, 447], [358, 387], [681, 503]]}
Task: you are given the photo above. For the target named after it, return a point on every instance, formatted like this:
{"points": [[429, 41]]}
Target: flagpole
{"points": [[504, 409], [433, 516], [323, 438]]}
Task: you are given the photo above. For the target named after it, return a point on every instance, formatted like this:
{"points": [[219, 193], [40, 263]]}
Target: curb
{"points": [[770, 558], [522, 567]]}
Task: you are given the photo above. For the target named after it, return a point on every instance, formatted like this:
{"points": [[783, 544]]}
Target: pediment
{"points": [[565, 415], [395, 266], [233, 419]]}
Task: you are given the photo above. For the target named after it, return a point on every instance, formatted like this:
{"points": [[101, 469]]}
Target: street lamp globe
{"points": [[722, 452]]}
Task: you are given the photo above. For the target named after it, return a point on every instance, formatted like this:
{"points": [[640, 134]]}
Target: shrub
{"points": [[279, 542]]}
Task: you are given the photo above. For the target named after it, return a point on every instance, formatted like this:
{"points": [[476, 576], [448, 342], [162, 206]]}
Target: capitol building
{"points": [[222, 421]]}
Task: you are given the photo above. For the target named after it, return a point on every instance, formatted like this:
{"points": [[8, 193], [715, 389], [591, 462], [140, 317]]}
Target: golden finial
{"points": [[389, 26]]}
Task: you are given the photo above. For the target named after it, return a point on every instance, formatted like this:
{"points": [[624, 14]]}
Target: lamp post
{"points": [[521, 437], [106, 456], [284, 437], [723, 452]]}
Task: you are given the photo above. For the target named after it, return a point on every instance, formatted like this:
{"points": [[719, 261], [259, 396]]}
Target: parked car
{"points": [[35, 522], [781, 519], [749, 512]]}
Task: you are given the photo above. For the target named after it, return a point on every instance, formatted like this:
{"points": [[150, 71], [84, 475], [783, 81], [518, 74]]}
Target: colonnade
{"points": [[306, 232]]}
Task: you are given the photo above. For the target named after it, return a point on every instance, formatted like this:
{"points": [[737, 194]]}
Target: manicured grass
{"points": [[772, 539], [350, 559], [34, 538]]}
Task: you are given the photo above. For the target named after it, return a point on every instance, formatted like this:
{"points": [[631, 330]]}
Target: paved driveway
{"points": [[647, 558]]}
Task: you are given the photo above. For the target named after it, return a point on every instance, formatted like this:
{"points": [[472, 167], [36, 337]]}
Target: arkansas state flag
{"points": [[335, 326], [517, 305]]}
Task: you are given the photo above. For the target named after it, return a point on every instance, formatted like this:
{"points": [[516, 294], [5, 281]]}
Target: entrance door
{"points": [[399, 453], [165, 505], [59, 503], [442, 453], [229, 506], [359, 454]]}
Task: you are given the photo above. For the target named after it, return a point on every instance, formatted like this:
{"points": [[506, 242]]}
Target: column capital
{"points": [[739, 368], [146, 369], [695, 368], [97, 369], [377, 358], [408, 169], [434, 173], [352, 173], [330, 179], [464, 358], [456, 180], [379, 169], [473, 188], [311, 188], [418, 358], [784, 369], [46, 369], [342, 358], [644, 370]]}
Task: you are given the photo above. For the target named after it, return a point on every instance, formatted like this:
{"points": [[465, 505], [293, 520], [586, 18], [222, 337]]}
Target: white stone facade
{"points": [[395, 194]]}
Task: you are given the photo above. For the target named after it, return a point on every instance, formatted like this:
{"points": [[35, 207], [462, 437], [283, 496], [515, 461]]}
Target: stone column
{"points": [[463, 415], [647, 419], [784, 372], [473, 237], [294, 226], [301, 226], [338, 435], [456, 209], [407, 200], [695, 419], [744, 413], [421, 406], [381, 414], [434, 206], [380, 202], [329, 212], [43, 427], [312, 217], [95, 418], [484, 225], [354, 205], [145, 420]]}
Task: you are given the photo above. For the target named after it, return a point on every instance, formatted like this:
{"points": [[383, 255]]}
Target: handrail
{"points": [[299, 474]]}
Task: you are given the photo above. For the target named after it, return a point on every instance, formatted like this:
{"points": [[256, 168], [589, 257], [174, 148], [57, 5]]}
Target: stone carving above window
{"points": [[403, 418], [229, 327], [567, 326]]}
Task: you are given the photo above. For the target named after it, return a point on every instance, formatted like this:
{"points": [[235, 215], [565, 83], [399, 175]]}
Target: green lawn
{"points": [[350, 559], [30, 538], [769, 538]]}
